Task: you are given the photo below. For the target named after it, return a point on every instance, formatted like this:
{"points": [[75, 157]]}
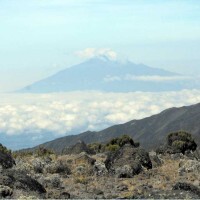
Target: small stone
{"points": [[122, 187], [5, 191], [196, 183], [97, 192]]}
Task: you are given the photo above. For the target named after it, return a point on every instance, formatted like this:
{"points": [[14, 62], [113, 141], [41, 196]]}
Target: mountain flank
{"points": [[150, 131]]}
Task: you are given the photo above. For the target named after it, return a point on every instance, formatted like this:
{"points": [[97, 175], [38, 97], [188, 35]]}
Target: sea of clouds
{"points": [[30, 119]]}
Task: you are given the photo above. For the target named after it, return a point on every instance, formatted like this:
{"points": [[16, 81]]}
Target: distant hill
{"points": [[150, 131], [103, 74]]}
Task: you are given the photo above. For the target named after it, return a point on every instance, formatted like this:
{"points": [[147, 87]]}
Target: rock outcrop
{"points": [[187, 187], [187, 166], [78, 148], [17, 180], [128, 161]]}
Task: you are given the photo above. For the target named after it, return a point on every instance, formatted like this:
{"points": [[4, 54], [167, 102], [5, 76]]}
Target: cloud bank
{"points": [[152, 78], [41, 117]]}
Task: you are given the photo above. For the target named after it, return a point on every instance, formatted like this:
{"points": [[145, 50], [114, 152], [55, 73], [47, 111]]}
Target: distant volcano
{"points": [[103, 74]]}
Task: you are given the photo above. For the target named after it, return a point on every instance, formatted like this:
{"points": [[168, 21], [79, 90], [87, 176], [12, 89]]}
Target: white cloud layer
{"points": [[66, 113], [153, 78], [93, 52]]}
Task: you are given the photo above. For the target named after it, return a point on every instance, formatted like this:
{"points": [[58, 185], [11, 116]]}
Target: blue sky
{"points": [[40, 37]]}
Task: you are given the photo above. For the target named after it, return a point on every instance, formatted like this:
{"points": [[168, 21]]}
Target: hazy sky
{"points": [[40, 37]]}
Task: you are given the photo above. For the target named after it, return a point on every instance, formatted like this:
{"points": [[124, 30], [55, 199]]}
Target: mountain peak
{"points": [[101, 58], [101, 73]]}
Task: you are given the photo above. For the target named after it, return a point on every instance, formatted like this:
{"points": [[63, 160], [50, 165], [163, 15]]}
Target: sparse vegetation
{"points": [[3, 149], [96, 147], [39, 152], [58, 168], [121, 141], [114, 144], [22, 154], [81, 179], [42, 151], [112, 147], [116, 170]]}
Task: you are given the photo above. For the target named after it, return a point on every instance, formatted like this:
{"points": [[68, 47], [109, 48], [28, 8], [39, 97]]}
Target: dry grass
{"points": [[161, 178]]}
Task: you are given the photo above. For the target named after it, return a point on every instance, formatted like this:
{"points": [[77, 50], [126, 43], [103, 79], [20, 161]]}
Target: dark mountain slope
{"points": [[150, 131]]}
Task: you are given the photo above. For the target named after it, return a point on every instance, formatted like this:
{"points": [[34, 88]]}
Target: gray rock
{"points": [[20, 181], [187, 187], [98, 192], [128, 161], [189, 166], [122, 187], [83, 158], [177, 156], [5, 191], [57, 168], [155, 159], [78, 148], [38, 165], [128, 171], [196, 183], [178, 192], [58, 194], [100, 169], [52, 182]]}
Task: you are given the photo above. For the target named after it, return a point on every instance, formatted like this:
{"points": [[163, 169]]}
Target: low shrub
{"points": [[21, 154], [181, 141], [3, 149], [81, 179], [96, 147], [43, 152], [57, 168], [114, 144], [112, 147]]}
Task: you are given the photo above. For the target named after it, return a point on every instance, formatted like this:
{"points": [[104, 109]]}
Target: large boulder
{"points": [[83, 158], [78, 148], [128, 161], [100, 169], [17, 180], [84, 164], [155, 159]]}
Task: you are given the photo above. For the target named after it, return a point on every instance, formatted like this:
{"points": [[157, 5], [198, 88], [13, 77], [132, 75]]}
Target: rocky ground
{"points": [[127, 173]]}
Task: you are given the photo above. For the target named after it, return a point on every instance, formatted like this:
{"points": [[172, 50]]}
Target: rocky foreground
{"points": [[125, 171]]}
